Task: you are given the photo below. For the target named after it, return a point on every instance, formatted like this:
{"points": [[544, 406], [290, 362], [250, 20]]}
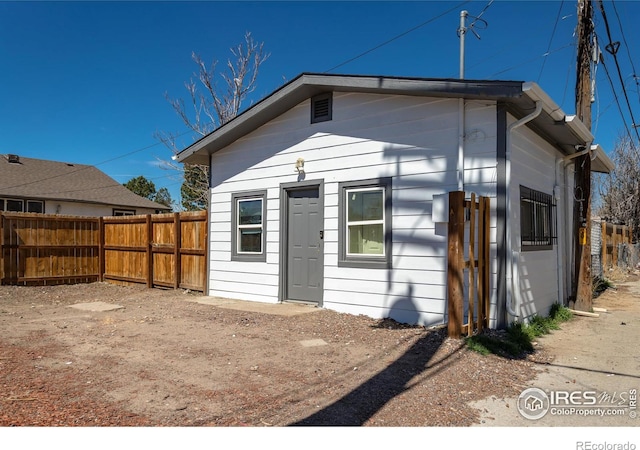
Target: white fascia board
{"points": [[579, 129], [535, 93], [601, 162]]}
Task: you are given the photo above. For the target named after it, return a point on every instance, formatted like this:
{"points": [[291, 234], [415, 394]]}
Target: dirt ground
{"points": [[177, 359], [590, 354]]}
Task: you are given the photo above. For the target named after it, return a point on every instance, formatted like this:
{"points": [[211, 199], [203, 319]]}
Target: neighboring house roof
{"points": [[564, 131], [52, 180]]}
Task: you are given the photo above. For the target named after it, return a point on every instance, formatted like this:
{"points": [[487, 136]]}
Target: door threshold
{"points": [[302, 302]]}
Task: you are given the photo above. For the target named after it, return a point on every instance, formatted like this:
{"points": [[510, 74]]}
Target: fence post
{"points": [[1, 248], [603, 248], [472, 262], [176, 250], [149, 251], [484, 304], [101, 268], [455, 264]]}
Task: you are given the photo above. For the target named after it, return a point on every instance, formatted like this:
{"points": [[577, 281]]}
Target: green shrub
{"points": [[519, 337]]}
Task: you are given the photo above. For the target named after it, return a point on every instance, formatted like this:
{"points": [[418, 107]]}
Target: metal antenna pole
{"points": [[461, 32]]}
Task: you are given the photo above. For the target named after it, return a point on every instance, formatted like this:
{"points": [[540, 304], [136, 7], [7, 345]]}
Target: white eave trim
{"points": [[535, 93], [579, 129], [601, 163]]}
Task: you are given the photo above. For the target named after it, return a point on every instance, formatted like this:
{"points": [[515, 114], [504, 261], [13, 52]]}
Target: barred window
{"points": [[537, 220]]}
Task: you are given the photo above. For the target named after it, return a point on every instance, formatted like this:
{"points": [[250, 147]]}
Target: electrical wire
{"points": [[553, 33], [86, 166], [544, 55], [617, 101], [624, 39], [398, 36], [612, 48]]}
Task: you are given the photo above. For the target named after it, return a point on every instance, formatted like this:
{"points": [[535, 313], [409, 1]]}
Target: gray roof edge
{"points": [[306, 85]]}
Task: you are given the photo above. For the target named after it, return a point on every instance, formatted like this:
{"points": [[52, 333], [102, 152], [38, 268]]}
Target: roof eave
{"points": [[307, 85], [600, 162]]}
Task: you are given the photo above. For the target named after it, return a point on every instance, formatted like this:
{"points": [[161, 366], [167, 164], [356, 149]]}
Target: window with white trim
{"points": [[123, 212], [365, 223], [249, 226], [19, 205]]}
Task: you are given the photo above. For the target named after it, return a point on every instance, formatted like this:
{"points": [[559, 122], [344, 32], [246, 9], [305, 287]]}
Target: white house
{"points": [[323, 192]]}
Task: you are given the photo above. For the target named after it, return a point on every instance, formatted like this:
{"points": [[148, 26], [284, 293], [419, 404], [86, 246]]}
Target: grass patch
{"points": [[518, 338], [599, 285]]}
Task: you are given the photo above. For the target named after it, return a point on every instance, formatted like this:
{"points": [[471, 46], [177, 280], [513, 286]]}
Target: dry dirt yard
{"points": [[175, 358]]}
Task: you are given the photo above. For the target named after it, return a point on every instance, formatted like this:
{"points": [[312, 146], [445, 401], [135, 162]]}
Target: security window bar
{"points": [[537, 220], [249, 220]]}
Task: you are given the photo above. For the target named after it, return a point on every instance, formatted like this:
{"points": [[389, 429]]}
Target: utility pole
{"points": [[582, 287]]}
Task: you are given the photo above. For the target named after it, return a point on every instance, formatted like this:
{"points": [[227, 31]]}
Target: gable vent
{"points": [[15, 159], [321, 108]]}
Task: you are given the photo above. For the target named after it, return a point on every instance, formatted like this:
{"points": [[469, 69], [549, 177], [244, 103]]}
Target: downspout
{"points": [[512, 292], [560, 253], [461, 32], [461, 145]]}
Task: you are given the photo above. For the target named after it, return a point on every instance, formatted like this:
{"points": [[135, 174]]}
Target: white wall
{"points": [[534, 165], [413, 140], [86, 209]]}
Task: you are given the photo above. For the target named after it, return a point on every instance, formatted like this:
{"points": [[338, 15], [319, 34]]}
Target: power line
{"points": [[87, 166], [615, 95], [553, 33], [612, 48], [624, 39], [544, 55], [398, 36]]}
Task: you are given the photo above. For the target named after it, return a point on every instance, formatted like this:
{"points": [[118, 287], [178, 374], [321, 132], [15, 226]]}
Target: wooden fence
{"points": [[476, 264], [611, 238], [163, 250]]}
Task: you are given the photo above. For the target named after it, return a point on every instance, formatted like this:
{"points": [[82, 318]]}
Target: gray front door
{"points": [[304, 245]]}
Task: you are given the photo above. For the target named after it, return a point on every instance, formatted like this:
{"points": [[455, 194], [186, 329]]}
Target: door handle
{"points": [[321, 234]]}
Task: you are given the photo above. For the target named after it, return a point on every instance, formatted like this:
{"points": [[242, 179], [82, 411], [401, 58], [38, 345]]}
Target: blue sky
{"points": [[85, 82]]}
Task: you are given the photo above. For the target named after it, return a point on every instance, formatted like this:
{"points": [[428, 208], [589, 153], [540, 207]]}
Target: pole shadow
{"points": [[359, 405]]}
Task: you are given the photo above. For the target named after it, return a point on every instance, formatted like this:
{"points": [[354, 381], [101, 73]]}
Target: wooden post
{"points": [[149, 251], [101, 268], [614, 241], [603, 247], [176, 250], [455, 264], [485, 207], [472, 262], [582, 211], [1, 248]]}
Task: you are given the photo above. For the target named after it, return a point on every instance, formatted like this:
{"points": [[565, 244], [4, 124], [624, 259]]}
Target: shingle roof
{"points": [[53, 180]]}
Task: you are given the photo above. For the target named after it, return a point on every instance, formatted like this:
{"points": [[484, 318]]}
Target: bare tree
{"points": [[211, 105], [620, 191]]}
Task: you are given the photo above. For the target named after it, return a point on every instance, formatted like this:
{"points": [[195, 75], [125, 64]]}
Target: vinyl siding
{"points": [[414, 140], [533, 166]]}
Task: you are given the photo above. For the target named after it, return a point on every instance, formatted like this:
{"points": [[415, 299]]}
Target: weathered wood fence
{"points": [[475, 299], [611, 247], [160, 250], [611, 238]]}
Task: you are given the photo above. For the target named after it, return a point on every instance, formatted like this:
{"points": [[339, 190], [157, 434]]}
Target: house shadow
{"points": [[363, 402]]}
